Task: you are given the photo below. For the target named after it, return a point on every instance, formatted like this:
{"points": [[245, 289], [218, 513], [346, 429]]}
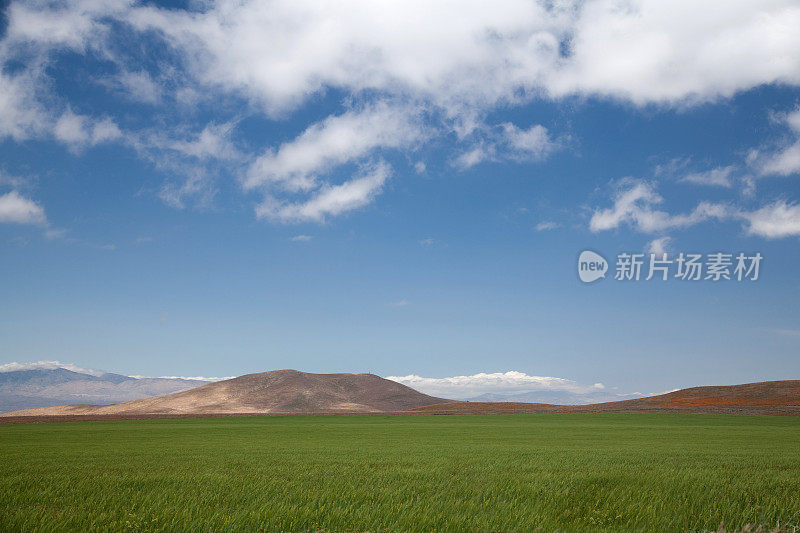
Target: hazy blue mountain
{"points": [[554, 397], [25, 389]]}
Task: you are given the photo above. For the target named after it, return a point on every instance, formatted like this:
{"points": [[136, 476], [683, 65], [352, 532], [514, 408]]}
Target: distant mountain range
{"points": [[44, 387], [276, 392], [560, 397], [762, 398], [58, 392]]}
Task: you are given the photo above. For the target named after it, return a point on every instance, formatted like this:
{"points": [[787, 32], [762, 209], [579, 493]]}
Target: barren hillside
{"points": [[280, 391], [767, 397]]}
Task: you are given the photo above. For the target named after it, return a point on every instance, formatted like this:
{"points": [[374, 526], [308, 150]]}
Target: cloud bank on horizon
{"points": [[55, 365], [193, 77], [510, 386]]}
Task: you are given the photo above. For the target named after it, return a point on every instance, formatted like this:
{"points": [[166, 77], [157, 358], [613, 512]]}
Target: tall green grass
{"points": [[575, 472]]}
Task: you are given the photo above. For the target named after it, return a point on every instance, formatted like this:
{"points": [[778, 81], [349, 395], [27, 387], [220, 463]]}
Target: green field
{"points": [[571, 472]]}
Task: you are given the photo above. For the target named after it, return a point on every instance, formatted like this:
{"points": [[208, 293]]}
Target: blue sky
{"points": [[216, 188]]}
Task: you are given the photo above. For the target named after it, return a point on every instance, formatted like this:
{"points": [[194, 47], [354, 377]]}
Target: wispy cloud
{"points": [[785, 160], [546, 225], [635, 206], [330, 200], [719, 177]]}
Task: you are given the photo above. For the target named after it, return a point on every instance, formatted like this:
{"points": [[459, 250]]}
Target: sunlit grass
{"points": [[518, 472]]}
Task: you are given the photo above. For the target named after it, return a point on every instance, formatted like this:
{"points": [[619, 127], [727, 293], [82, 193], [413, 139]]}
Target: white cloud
{"points": [[655, 51], [21, 116], [719, 177], [507, 142], [48, 365], [297, 164], [196, 185], [534, 143], [19, 210], [400, 303], [473, 156], [635, 206], [773, 221], [462, 61], [301, 238], [659, 246], [330, 200], [546, 225], [212, 142], [79, 131], [785, 160], [472, 52], [428, 241], [139, 86], [462, 387]]}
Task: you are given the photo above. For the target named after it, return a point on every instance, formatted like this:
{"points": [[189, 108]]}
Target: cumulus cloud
{"points": [[16, 209], [462, 387], [533, 143], [462, 61], [471, 52], [774, 221]]}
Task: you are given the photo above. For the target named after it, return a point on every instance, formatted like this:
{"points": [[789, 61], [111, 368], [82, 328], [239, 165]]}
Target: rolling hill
{"points": [[294, 392], [276, 392], [767, 397]]}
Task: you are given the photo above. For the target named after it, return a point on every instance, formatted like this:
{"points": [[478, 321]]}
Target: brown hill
{"points": [[767, 397], [277, 392]]}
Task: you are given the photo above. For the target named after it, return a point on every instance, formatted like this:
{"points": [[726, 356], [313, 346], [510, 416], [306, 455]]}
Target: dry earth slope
{"points": [[766, 397], [279, 391]]}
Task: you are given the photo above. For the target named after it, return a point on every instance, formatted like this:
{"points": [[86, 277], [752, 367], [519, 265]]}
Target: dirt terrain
{"points": [[767, 398], [276, 392], [293, 392]]}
